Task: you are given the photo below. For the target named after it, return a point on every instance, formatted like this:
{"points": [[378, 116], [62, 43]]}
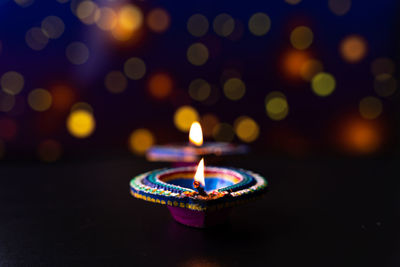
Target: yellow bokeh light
{"points": [[259, 24], [385, 85], [135, 68], [353, 48], [12, 82], [370, 107], [81, 123], [197, 54], [39, 99], [196, 134], [223, 25], [234, 89], [323, 84], [88, 12], [382, 65], [36, 39], [53, 27], [199, 89], [310, 68], [223, 132], [158, 20], [49, 150], [246, 129], [7, 102], [77, 53], [82, 106], [115, 82], [339, 7], [184, 117], [107, 19], [197, 25], [130, 17], [276, 106], [140, 141], [301, 37]]}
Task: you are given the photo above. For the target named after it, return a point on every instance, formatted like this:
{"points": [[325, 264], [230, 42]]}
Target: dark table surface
{"points": [[325, 212]]}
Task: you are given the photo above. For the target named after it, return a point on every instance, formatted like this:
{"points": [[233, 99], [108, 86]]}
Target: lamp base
{"points": [[199, 219]]}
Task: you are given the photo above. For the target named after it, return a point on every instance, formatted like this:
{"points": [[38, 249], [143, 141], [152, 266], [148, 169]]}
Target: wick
{"points": [[199, 188]]}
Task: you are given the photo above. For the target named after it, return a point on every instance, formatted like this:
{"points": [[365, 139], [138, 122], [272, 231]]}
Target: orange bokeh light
{"points": [[160, 85], [63, 97], [293, 61], [361, 136]]}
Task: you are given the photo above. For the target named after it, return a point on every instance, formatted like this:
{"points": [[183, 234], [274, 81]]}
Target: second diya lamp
{"points": [[199, 197], [190, 153]]}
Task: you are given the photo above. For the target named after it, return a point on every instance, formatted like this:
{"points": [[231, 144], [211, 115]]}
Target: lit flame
{"points": [[196, 134], [199, 176]]}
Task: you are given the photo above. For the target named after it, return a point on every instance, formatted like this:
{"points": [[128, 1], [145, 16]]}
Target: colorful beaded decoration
{"points": [[174, 187]]}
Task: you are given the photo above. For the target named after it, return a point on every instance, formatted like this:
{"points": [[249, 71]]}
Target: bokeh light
{"points": [[197, 25], [8, 128], [81, 123], [234, 89], [199, 89], [7, 102], [36, 39], [115, 82], [63, 97], [323, 84], [382, 65], [339, 7], [49, 150], [246, 129], [353, 48], [130, 18], [208, 123], [301, 37], [360, 136], [370, 107], [12, 82], [135, 68], [276, 106], [77, 53], [39, 99], [107, 20], [310, 68], [24, 3], [53, 27], [82, 106], [293, 2], [197, 54], [160, 85], [87, 12], [293, 62], [184, 117], [223, 132], [223, 25], [259, 24], [385, 85], [158, 20], [140, 141]]}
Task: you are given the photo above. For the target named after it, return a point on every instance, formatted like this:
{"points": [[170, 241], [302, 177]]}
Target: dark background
{"points": [[333, 201]]}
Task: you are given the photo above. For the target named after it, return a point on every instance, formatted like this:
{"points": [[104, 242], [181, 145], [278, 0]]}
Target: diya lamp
{"points": [[199, 196], [190, 153]]}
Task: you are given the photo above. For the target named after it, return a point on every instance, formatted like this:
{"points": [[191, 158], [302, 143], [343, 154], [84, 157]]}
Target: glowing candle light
{"points": [[196, 134], [199, 176]]}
